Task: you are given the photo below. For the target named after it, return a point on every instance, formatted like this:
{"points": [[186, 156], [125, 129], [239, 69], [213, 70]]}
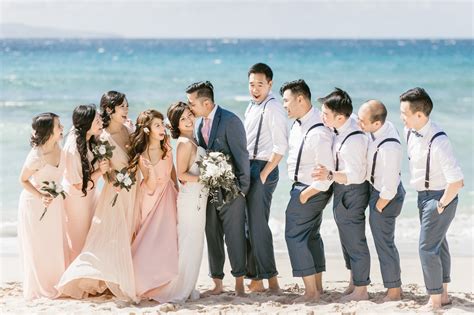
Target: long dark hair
{"points": [[43, 128], [82, 119], [110, 100], [140, 139], [175, 111]]}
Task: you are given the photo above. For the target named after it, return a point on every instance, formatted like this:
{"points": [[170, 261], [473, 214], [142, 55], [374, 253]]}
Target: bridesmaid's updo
{"points": [[110, 100], [82, 119], [43, 128], [175, 111]]}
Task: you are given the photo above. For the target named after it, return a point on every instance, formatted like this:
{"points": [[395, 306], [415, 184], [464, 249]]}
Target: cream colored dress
{"points": [[106, 259], [43, 246], [79, 208]]}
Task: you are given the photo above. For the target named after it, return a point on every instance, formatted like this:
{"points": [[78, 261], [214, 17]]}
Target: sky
{"points": [[241, 18]]}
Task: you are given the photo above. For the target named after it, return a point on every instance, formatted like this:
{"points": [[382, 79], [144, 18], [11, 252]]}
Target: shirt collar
{"points": [[307, 116], [344, 127], [212, 113], [426, 129], [382, 130]]}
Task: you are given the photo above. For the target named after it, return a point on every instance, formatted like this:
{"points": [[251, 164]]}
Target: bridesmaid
{"points": [[106, 260], [191, 207], [43, 246], [80, 176], [155, 249]]}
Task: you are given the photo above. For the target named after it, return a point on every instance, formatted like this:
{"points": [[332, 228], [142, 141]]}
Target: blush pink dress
{"points": [[43, 245], [79, 208], [155, 249], [106, 259]]}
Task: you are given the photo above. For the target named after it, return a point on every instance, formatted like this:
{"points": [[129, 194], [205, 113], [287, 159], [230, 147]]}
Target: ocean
{"points": [[57, 75]]}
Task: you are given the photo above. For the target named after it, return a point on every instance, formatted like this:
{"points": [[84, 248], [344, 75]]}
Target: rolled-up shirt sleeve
{"points": [[391, 159], [443, 152], [321, 142], [354, 154], [279, 129]]}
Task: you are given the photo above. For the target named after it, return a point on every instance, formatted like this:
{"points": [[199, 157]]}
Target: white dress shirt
{"points": [[388, 163], [274, 131], [353, 154], [444, 168], [316, 149]]}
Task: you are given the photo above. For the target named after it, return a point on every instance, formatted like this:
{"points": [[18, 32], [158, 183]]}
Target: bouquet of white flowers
{"points": [[217, 175], [103, 150], [54, 190], [123, 180]]}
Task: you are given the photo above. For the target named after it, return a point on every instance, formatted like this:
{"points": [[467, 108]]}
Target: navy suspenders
{"points": [[374, 161], [255, 149], [427, 173], [298, 160], [340, 147]]}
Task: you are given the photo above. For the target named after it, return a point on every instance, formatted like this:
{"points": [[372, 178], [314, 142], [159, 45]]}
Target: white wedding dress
{"points": [[192, 202]]}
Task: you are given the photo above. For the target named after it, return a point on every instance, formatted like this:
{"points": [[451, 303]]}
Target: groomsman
{"points": [[436, 175], [267, 142], [221, 130], [309, 145], [351, 191], [384, 159]]}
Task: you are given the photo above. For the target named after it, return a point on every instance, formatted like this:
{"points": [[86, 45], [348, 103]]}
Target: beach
{"points": [[334, 282], [57, 75]]}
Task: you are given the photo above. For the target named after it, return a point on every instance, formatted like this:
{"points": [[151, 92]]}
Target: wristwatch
{"points": [[330, 175], [441, 205]]}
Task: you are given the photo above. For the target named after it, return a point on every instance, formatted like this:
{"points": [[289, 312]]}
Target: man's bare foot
{"points": [[239, 287], [273, 286], [214, 291], [308, 298], [445, 300], [350, 288], [218, 288], [393, 294], [428, 307], [359, 294], [256, 286]]}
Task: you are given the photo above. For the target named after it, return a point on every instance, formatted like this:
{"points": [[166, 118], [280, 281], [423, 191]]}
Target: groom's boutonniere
{"points": [[217, 175]]}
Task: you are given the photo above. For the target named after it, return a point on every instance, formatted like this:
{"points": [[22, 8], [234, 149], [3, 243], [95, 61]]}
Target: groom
{"points": [[220, 130]]}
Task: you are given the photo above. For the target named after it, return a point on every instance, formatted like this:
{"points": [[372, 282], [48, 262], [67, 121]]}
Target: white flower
{"points": [[120, 177], [214, 154], [51, 185], [59, 188], [102, 149], [127, 181], [212, 170]]}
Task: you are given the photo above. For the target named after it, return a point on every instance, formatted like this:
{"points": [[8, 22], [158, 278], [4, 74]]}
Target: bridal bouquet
{"points": [[54, 190], [103, 150], [216, 174], [123, 180]]}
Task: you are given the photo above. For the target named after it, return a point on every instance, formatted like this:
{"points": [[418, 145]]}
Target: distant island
{"points": [[13, 30]]}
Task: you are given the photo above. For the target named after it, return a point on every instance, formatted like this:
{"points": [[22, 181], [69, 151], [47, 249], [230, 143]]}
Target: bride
{"points": [[192, 200]]}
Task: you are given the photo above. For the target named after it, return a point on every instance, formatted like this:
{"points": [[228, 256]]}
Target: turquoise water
{"points": [[57, 75]]}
